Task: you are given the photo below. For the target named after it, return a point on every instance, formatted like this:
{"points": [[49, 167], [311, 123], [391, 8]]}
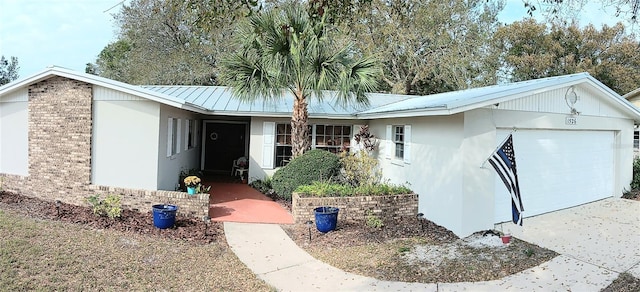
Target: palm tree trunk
{"points": [[299, 129]]}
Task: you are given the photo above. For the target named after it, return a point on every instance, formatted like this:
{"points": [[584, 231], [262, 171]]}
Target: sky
{"points": [[71, 33]]}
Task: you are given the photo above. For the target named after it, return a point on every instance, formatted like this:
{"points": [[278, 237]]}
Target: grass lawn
{"points": [[47, 255]]}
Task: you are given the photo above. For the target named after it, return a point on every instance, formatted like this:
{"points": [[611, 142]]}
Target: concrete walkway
{"points": [[274, 257]]}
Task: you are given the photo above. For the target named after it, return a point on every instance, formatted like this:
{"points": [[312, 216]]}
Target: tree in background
{"points": [[628, 9], [171, 41], [427, 46], [286, 49], [8, 70], [533, 50]]}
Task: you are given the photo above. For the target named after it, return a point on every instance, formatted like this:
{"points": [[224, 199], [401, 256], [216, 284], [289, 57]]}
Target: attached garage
{"points": [[572, 138], [558, 169]]}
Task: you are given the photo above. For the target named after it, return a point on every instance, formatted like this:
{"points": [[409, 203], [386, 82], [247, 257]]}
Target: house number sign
{"points": [[571, 121]]}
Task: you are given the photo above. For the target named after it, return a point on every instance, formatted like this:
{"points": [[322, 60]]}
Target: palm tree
{"points": [[285, 49]]}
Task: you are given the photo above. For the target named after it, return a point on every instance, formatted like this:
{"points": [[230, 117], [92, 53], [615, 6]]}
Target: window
{"points": [[283, 144], [173, 137], [398, 143], [332, 138], [636, 139], [190, 135], [398, 140]]}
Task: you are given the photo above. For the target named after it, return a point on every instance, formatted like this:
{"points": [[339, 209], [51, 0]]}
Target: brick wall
{"points": [[356, 208], [141, 200], [60, 126], [60, 129]]}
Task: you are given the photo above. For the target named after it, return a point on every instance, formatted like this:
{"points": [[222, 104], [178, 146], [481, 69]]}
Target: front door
{"points": [[224, 142]]}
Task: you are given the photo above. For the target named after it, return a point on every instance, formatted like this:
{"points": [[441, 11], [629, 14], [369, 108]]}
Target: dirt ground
{"points": [[407, 249], [187, 229]]}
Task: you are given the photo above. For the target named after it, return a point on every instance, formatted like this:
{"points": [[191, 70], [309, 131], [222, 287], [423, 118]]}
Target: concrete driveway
{"points": [[605, 233]]}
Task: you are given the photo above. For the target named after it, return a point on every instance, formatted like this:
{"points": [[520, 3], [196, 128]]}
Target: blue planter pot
{"points": [[326, 218], [164, 216], [191, 190]]}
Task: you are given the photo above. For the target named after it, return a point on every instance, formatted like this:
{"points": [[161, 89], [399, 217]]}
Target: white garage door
{"points": [[558, 169]]}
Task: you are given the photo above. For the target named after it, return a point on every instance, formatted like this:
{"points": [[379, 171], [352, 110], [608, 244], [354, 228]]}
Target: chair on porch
{"points": [[239, 166]]}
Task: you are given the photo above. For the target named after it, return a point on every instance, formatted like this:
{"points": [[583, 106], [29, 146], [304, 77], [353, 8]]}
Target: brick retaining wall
{"points": [[141, 200], [355, 208]]}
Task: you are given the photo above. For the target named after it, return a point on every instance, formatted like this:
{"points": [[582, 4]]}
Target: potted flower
{"points": [[191, 182]]}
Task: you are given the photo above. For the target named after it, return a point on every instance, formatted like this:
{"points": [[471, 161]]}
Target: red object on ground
{"points": [[506, 239], [235, 202]]}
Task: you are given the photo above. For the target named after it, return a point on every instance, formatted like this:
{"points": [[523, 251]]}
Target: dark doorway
{"points": [[223, 143]]}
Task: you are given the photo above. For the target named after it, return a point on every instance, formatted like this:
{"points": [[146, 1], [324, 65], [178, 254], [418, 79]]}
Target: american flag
{"points": [[504, 162]]}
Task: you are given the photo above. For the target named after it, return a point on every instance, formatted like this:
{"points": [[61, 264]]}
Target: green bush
{"points": [[329, 189], [314, 165], [359, 168], [111, 206], [635, 183]]}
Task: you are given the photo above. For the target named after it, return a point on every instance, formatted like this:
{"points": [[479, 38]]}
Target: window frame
{"points": [[173, 136], [398, 141]]}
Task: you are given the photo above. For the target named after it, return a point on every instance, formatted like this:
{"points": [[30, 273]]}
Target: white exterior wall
{"points": [[169, 167], [14, 133], [480, 142], [435, 168], [124, 141]]}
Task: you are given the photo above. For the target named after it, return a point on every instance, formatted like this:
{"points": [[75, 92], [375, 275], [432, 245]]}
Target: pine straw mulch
{"points": [[186, 229]]}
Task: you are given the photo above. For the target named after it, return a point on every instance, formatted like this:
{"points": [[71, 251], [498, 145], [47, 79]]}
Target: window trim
{"points": [[392, 143], [173, 136]]}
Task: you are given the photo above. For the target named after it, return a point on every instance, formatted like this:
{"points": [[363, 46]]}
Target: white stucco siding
{"points": [[435, 167], [14, 132], [170, 166], [125, 143]]}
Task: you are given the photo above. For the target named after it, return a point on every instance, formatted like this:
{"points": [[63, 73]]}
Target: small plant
{"points": [[202, 189], [373, 221], [366, 139], [404, 249], [529, 252], [262, 185], [185, 173], [635, 182], [192, 181], [111, 206]]}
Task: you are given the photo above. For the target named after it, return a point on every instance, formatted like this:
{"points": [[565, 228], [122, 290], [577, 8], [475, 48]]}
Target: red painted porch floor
{"points": [[236, 202]]}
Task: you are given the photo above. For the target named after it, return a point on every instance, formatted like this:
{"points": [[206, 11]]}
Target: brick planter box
{"points": [[356, 208], [196, 206]]}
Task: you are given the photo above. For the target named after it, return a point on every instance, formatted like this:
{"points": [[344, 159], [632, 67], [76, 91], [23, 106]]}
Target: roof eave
{"points": [[95, 80]]}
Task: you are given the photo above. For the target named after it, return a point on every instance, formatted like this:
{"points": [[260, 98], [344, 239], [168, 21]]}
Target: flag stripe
{"points": [[503, 161]]}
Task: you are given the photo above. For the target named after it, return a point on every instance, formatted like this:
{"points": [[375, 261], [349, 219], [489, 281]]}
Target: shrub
{"points": [[262, 185], [314, 165], [329, 189], [635, 182], [111, 206], [359, 168]]}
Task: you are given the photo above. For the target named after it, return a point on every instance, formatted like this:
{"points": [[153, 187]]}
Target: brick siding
{"points": [[356, 208]]}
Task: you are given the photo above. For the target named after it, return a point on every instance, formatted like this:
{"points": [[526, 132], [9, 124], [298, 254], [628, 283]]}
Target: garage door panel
{"points": [[558, 169]]}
